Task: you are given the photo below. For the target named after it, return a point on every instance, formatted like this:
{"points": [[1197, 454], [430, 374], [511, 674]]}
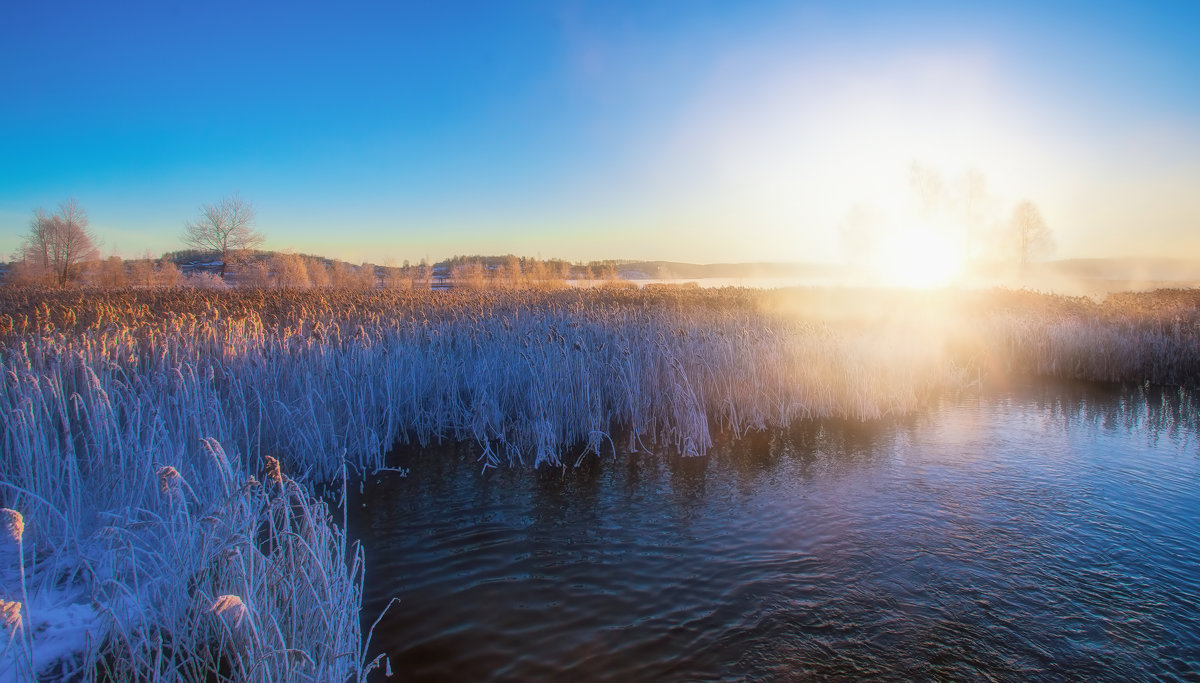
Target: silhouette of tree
{"points": [[1030, 234], [224, 228]]}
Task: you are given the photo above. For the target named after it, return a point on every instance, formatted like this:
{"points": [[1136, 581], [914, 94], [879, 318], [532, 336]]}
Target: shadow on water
{"points": [[1039, 532]]}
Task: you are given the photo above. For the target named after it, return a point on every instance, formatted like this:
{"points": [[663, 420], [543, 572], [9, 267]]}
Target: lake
{"points": [[1032, 532]]}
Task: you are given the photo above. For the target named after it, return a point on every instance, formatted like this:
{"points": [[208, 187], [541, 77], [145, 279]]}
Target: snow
{"points": [[63, 624]]}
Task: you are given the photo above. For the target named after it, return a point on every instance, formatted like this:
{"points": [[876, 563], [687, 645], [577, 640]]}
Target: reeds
{"points": [[135, 421], [12, 542], [230, 580]]}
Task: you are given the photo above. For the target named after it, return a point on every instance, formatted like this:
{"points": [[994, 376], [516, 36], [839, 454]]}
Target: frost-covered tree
{"points": [[168, 274], [225, 228], [290, 270], [1030, 235], [57, 244], [110, 273], [318, 273]]}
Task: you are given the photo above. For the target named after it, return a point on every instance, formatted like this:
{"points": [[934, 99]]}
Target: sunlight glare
{"points": [[918, 259]]}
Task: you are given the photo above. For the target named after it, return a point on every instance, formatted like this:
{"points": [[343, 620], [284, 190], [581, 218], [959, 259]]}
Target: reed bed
{"points": [[161, 445]]}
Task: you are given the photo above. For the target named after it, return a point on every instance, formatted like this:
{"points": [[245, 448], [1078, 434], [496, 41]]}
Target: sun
{"points": [[917, 258]]}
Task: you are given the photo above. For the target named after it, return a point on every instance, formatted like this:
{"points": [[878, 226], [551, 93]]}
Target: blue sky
{"points": [[699, 131]]}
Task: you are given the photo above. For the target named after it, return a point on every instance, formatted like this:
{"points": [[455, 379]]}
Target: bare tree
{"points": [[57, 244], [39, 243], [225, 228], [1030, 235]]}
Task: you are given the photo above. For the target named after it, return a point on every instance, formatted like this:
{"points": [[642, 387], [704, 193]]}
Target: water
{"points": [[1038, 533]]}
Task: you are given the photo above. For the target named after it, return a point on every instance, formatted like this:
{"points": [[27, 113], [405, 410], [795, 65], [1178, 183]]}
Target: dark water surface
{"points": [[1041, 533]]}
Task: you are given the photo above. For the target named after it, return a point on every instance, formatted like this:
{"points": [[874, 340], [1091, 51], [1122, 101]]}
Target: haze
{"points": [[702, 132]]}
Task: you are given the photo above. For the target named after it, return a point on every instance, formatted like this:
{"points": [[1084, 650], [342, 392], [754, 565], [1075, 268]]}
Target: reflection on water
{"points": [[1038, 533]]}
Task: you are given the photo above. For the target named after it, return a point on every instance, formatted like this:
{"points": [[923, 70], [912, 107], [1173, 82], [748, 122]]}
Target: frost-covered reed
{"points": [[139, 424], [12, 545]]}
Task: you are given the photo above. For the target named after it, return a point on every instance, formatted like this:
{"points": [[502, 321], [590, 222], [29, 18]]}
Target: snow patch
{"points": [[63, 628]]}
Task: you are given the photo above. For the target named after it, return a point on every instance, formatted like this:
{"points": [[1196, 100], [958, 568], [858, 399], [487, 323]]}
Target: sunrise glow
{"points": [[598, 340], [917, 259], [739, 132]]}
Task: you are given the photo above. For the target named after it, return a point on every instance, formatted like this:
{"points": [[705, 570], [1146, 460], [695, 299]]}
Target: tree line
{"points": [[60, 249]]}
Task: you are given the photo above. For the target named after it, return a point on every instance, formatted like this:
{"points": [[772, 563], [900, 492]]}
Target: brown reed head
{"points": [[10, 615], [168, 478], [273, 471], [12, 525], [230, 610]]}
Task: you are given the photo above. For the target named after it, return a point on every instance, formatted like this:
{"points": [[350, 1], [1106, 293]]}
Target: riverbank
{"points": [[162, 444]]}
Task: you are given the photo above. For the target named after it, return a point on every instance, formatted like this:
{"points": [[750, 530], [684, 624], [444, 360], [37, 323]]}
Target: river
{"points": [[1034, 532]]}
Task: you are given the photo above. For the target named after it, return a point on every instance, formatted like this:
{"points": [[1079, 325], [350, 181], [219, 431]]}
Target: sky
{"points": [[688, 131]]}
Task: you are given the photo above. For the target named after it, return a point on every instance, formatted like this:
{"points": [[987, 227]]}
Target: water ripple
{"points": [[1044, 534]]}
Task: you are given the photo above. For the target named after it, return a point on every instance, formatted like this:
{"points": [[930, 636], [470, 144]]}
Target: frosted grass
{"points": [[162, 444]]}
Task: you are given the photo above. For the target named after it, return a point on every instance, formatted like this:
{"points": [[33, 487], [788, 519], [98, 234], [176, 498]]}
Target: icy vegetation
{"points": [[161, 445]]}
